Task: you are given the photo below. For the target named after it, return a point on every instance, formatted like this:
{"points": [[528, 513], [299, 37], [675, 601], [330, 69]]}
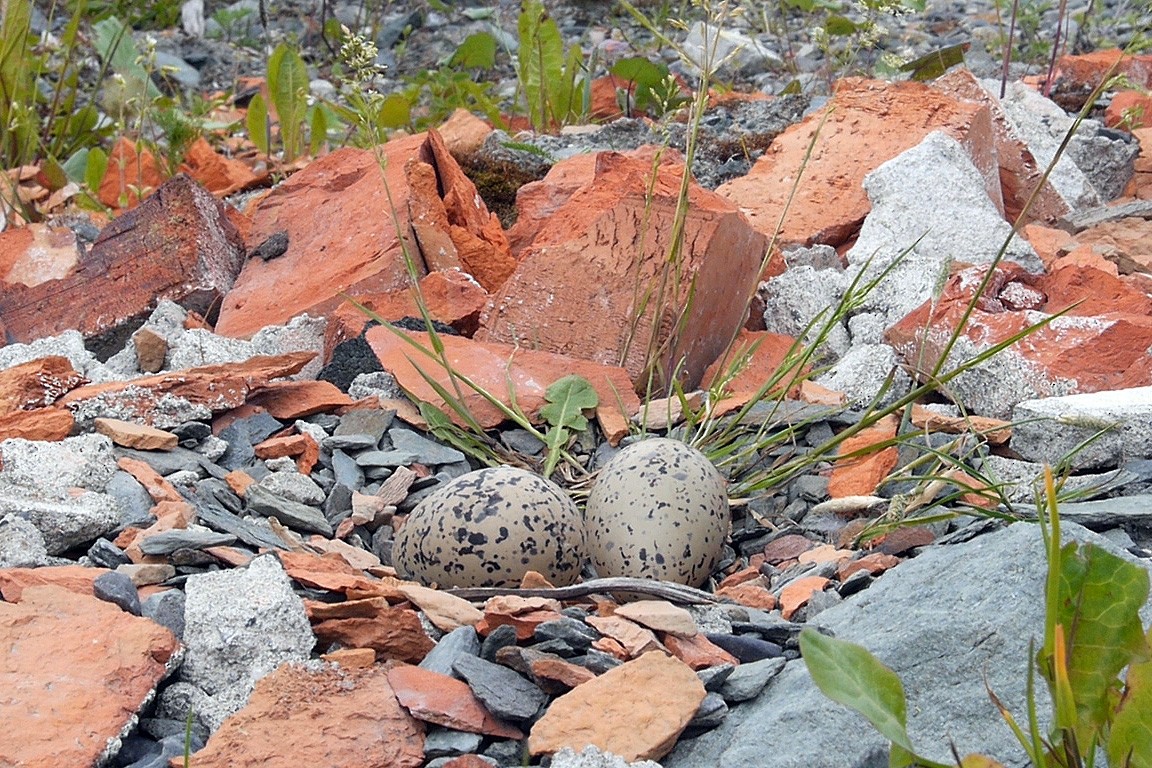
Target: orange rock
{"points": [[1124, 242], [450, 296], [875, 563], [436, 698], [556, 670], [860, 475], [154, 483], [444, 610], [290, 400], [698, 652], [751, 594], [62, 675], [524, 623], [787, 547], [138, 436], [463, 132], [37, 253], [74, 578], [239, 481], [740, 576], [635, 639], [866, 123], [816, 394], [48, 424], [765, 353], [467, 761], [330, 572], [218, 387], [220, 175], [337, 718], [394, 633], [636, 710], [131, 175], [341, 232], [492, 367], [995, 431], [900, 540], [351, 658], [1093, 350], [1078, 75], [660, 616], [796, 594], [825, 553], [611, 647], [579, 282], [1049, 243], [177, 245]]}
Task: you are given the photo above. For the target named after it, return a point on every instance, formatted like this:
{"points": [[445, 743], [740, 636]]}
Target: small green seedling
{"points": [[567, 398]]}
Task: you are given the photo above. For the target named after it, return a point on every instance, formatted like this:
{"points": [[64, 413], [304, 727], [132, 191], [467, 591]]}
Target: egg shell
{"points": [[488, 528], [657, 510]]}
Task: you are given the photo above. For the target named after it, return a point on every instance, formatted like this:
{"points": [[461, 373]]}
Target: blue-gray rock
{"points": [[21, 544], [338, 505], [500, 637], [212, 512], [713, 677], [944, 639], [167, 542], [747, 680], [597, 661], [365, 421], [356, 442], [505, 693], [394, 458], [713, 711], [241, 435], [102, 553], [300, 517], [746, 648], [347, 472], [166, 609], [135, 503], [159, 754], [576, 634], [460, 642], [446, 742], [118, 589], [240, 624], [166, 462], [427, 451]]}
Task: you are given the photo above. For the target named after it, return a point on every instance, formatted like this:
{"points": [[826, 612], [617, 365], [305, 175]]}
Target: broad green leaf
{"points": [[257, 122], [567, 398], [288, 90], [1130, 740], [839, 26], [850, 675], [395, 112], [95, 168], [932, 65], [317, 129], [76, 164], [1099, 598], [114, 45], [478, 51], [979, 761], [541, 62], [637, 69]]}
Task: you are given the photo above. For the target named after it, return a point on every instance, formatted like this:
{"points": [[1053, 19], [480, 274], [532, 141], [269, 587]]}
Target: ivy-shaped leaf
{"points": [[567, 399]]}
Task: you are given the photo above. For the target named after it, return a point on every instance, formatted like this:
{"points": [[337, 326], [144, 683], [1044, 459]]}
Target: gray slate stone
{"points": [[365, 421], [460, 642], [427, 451], [939, 638], [300, 517], [166, 609], [446, 742], [240, 624], [747, 680], [505, 693], [1047, 429], [118, 589], [167, 542], [214, 514]]}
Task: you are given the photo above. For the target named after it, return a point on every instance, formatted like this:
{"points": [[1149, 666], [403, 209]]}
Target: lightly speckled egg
{"points": [[488, 528], [657, 510]]}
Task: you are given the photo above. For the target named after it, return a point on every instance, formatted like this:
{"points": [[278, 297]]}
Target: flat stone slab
{"points": [[1051, 428]]}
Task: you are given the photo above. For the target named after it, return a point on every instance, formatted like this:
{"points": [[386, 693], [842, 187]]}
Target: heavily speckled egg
{"points": [[658, 510], [488, 528]]}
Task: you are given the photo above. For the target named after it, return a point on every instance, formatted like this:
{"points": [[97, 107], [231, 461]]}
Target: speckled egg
{"points": [[657, 510], [488, 528]]}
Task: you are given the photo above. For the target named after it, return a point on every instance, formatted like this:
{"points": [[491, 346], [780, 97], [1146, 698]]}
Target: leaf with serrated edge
{"points": [[567, 398], [1130, 740]]}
